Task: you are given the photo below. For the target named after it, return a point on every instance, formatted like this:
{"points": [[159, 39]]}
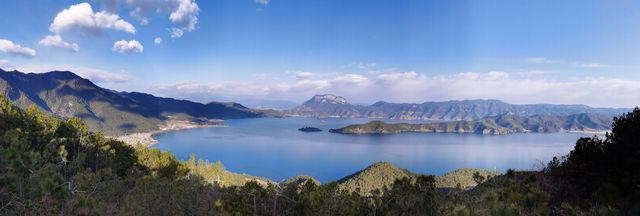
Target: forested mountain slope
{"points": [[67, 95]]}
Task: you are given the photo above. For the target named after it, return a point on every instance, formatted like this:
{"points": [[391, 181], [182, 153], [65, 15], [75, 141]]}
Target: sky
{"points": [[523, 52]]}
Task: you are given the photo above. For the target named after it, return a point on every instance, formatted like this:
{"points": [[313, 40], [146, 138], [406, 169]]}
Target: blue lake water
{"points": [[274, 148]]}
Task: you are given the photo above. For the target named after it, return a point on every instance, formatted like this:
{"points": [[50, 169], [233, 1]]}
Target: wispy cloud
{"points": [[363, 65], [544, 60], [93, 74], [514, 87], [6, 65], [263, 2], [7, 46], [57, 41], [175, 32]]}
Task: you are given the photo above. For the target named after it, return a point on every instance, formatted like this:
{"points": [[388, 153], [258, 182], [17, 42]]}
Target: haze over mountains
{"points": [[332, 106], [66, 95]]}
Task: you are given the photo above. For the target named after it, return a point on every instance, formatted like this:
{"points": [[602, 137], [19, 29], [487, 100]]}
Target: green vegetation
{"points": [[375, 177], [599, 176], [54, 167], [383, 175], [464, 178], [215, 173], [495, 125]]}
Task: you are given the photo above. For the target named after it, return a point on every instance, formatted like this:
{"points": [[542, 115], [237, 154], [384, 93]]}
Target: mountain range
{"points": [[332, 106], [67, 95], [115, 113]]}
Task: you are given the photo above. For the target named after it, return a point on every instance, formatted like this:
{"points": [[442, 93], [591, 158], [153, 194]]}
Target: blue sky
{"points": [[403, 51]]}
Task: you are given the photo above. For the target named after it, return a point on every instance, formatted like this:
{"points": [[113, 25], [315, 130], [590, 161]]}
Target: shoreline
{"points": [[147, 139]]}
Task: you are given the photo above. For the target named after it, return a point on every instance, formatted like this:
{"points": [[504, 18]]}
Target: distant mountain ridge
{"points": [[495, 125], [331, 106], [66, 95]]}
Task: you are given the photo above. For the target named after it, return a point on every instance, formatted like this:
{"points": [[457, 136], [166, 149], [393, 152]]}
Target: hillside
{"points": [[332, 106], [376, 176], [463, 177], [67, 95], [384, 174], [504, 124]]}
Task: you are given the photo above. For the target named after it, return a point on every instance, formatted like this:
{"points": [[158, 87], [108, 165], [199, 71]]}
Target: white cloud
{"points": [[541, 60], [81, 16], [176, 32], [392, 77], [496, 75], [306, 75], [263, 2], [136, 14], [364, 65], [351, 79], [183, 13], [512, 87], [544, 60], [7, 46], [591, 65], [56, 41], [95, 75], [186, 14], [123, 46], [157, 40]]}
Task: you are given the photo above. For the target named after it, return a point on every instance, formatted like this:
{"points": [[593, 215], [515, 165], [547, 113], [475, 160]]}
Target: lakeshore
{"points": [[147, 138]]}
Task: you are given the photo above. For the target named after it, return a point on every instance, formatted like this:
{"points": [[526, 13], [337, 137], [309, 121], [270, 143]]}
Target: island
{"points": [[310, 129], [496, 125]]}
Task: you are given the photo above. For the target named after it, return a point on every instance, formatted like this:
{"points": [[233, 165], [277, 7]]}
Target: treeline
{"points": [[50, 166]]}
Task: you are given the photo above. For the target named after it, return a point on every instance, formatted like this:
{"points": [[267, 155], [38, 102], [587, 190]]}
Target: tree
{"points": [[478, 178], [600, 171]]}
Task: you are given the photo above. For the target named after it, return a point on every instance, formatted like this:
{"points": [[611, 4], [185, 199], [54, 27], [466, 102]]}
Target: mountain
{"points": [[331, 106], [327, 106], [495, 125], [67, 95]]}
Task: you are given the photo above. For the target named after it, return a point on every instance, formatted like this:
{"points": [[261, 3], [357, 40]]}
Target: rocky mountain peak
{"points": [[328, 98]]}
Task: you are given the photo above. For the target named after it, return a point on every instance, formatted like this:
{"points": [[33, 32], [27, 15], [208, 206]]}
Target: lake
{"points": [[274, 148]]}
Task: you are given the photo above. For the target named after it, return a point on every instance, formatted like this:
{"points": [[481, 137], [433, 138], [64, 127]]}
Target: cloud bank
{"points": [[414, 87]]}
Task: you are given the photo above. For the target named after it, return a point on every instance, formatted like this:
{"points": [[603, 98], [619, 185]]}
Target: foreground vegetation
{"points": [[54, 167]]}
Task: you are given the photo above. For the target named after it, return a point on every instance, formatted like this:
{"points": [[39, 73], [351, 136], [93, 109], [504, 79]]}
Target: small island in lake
{"points": [[310, 129], [496, 125]]}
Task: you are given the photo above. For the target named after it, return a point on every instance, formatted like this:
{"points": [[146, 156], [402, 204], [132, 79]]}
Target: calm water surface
{"points": [[274, 148]]}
